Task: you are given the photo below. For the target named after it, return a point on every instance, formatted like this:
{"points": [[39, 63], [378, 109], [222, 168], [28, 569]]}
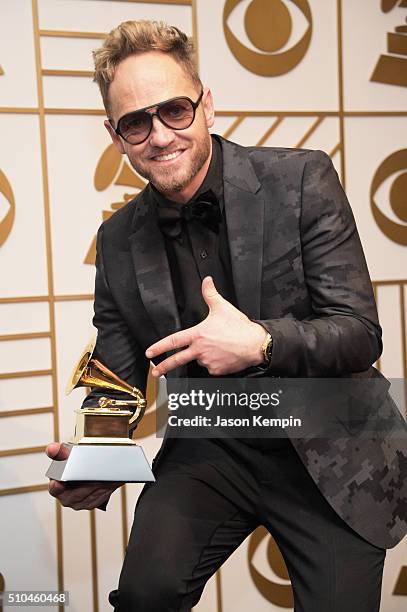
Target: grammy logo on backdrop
{"points": [[401, 584], [112, 169], [392, 67]]}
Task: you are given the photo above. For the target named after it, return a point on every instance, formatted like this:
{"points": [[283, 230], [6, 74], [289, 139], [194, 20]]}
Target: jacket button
{"points": [[204, 254]]}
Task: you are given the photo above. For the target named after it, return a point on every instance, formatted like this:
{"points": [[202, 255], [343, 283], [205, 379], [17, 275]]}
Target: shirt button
{"points": [[204, 254]]}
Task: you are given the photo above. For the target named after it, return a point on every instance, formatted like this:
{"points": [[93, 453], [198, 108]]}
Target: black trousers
{"points": [[209, 496]]}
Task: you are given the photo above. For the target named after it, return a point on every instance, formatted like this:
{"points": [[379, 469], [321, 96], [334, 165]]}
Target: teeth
{"points": [[168, 156]]}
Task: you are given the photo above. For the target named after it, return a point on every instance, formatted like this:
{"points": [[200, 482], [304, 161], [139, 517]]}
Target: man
{"points": [[234, 261]]}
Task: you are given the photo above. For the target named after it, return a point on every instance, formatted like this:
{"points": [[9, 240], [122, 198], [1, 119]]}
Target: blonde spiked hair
{"points": [[135, 37]]}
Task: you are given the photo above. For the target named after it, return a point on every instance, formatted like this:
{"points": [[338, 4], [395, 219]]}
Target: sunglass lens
{"points": [[135, 127], [177, 114]]}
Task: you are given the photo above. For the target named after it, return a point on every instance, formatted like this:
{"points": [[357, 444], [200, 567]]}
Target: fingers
{"points": [[57, 451], [77, 495], [78, 500], [52, 450], [170, 343], [81, 496], [93, 500], [174, 361], [209, 286], [56, 488], [209, 292]]}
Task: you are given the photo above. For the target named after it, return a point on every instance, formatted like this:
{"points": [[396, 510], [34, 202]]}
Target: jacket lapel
{"points": [[151, 267], [244, 208]]}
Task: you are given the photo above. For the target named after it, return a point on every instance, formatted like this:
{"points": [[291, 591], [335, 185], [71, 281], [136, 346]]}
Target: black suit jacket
{"points": [[299, 269]]}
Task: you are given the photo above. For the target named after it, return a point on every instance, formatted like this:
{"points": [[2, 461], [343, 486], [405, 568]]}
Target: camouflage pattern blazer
{"points": [[298, 267]]}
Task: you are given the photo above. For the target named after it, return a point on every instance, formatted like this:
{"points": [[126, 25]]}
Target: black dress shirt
{"points": [[199, 252]]}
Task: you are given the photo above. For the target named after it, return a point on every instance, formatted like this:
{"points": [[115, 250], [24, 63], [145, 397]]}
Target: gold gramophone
{"points": [[109, 422], [102, 447]]}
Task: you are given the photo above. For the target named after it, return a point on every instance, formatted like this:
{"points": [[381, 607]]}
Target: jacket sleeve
{"points": [[343, 335], [116, 347]]}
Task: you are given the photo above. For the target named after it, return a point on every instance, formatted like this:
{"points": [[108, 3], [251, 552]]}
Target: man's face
{"points": [[175, 161]]}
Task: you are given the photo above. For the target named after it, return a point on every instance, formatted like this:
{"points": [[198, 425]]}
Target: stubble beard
{"points": [[164, 179]]}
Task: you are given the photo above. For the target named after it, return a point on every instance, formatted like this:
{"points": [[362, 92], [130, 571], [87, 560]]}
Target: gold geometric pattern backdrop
{"points": [[6, 223], [319, 74]]}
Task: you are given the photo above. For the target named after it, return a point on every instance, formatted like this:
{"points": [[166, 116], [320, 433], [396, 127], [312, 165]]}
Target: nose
{"points": [[160, 136]]}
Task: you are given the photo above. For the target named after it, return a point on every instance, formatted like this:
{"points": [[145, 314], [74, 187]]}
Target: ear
{"points": [[117, 141], [208, 107]]}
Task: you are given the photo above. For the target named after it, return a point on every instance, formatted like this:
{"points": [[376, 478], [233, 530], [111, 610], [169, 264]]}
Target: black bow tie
{"points": [[204, 208]]}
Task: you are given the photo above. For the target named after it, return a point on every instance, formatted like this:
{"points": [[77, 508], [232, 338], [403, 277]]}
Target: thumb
{"points": [[209, 292], [57, 451]]}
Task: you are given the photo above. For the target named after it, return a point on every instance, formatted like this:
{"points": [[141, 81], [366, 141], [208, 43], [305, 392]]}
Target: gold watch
{"points": [[266, 349]]}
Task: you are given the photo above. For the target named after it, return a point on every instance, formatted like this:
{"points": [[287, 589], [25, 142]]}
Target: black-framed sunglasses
{"points": [[176, 114]]}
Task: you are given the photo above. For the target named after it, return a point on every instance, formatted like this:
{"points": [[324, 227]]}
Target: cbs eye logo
{"points": [[268, 29], [277, 588], [8, 204], [393, 192]]}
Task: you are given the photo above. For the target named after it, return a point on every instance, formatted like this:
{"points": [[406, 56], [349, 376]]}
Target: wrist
{"points": [[261, 338]]}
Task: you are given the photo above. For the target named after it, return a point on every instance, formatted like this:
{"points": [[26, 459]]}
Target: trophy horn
{"points": [[90, 372]]}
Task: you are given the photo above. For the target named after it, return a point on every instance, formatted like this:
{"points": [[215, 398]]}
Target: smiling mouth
{"points": [[168, 156]]}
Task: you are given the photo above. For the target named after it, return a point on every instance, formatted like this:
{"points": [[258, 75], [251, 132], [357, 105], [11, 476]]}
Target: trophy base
{"points": [[93, 440], [102, 463]]}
